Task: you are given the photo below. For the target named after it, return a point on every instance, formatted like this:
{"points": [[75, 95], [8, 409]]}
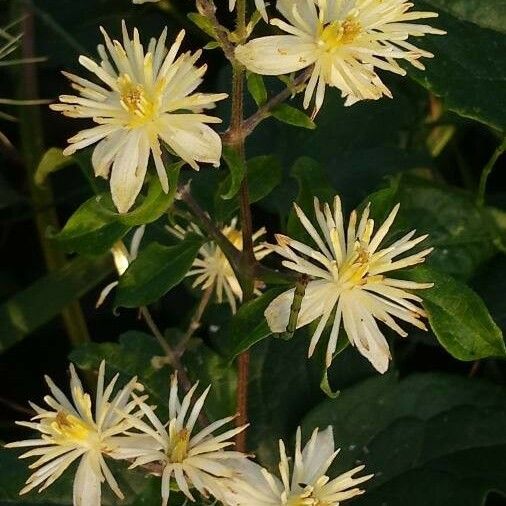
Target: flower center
{"points": [[339, 33], [136, 101], [70, 428], [355, 269], [178, 447]]}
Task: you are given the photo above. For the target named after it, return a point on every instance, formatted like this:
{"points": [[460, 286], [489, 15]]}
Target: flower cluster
{"points": [[125, 427], [212, 268]]}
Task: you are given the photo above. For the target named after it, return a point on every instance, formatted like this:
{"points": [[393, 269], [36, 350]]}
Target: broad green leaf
{"points": [[264, 174], [463, 235], [247, 327], [458, 317], [237, 169], [256, 88], [53, 160], [312, 182], [485, 13], [153, 204], [469, 66], [426, 430], [292, 116], [39, 303], [91, 230], [155, 271]]}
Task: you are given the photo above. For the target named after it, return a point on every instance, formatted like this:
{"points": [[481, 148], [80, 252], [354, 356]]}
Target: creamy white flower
{"points": [[144, 98], [259, 4], [71, 430], [345, 40], [122, 259], [309, 485], [212, 267], [350, 281], [199, 460]]}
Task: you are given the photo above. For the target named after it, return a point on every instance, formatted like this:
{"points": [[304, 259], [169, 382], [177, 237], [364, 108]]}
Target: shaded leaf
{"points": [[237, 169], [42, 301], [256, 88], [458, 316], [155, 271], [52, 161], [292, 116]]}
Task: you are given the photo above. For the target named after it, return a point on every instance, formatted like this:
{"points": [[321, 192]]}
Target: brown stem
{"points": [[248, 261], [249, 124], [208, 9], [195, 321]]}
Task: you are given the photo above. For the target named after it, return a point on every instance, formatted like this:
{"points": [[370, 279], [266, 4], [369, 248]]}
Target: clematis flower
{"points": [[345, 41], [195, 459], [146, 98], [350, 281], [303, 484], [70, 430], [212, 268]]}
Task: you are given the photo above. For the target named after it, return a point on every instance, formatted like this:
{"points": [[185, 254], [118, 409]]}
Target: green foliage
{"points": [[36, 305], [52, 161], [430, 438], [256, 88], [458, 317], [470, 55], [292, 116], [248, 326], [155, 271], [96, 225], [237, 171], [264, 174]]}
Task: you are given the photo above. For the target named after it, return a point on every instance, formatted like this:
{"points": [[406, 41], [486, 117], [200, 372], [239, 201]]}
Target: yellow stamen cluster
{"points": [[136, 101], [67, 428], [178, 448], [336, 34]]}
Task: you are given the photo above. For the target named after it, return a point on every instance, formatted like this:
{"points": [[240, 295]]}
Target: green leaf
{"points": [[256, 88], [469, 66], [154, 204], [485, 13], [130, 357], [52, 161], [237, 169], [464, 235], [155, 271], [427, 431], [458, 317], [91, 230], [312, 182], [42, 301], [264, 174], [203, 23], [292, 116], [247, 327]]}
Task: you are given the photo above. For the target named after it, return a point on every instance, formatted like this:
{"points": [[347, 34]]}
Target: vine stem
{"points": [[248, 261], [480, 199]]}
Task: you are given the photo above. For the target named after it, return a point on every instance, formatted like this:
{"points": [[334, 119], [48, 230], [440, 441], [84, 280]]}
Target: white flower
{"points": [[349, 281], [70, 430], [122, 259], [198, 460], [259, 4], [345, 40], [212, 267], [308, 486], [144, 98]]}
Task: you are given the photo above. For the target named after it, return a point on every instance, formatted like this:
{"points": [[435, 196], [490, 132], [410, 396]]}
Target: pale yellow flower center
{"points": [[137, 102], [306, 499], [178, 446], [68, 428], [355, 269], [339, 33]]}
